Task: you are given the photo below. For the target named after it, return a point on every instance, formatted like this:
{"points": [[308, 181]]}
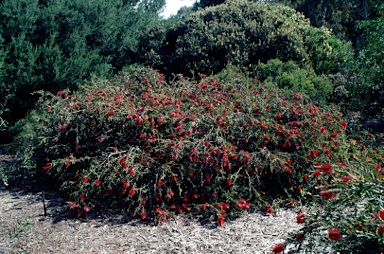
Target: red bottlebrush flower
{"points": [[143, 216], [72, 205], [186, 199], [220, 206], [192, 174], [278, 248], [97, 182], [305, 178], [378, 167], [100, 139], [86, 209], [317, 172], [67, 164], [143, 201], [345, 179], [220, 221], [380, 230], [124, 165], [381, 214], [47, 166], [49, 109], [85, 179], [159, 121], [314, 153], [174, 177], [132, 171], [327, 194], [343, 124], [82, 196], [268, 209], [243, 204], [159, 183], [327, 168], [171, 193], [186, 207], [342, 164], [225, 159], [300, 189], [323, 130], [226, 206], [300, 218], [334, 234], [334, 135], [228, 182], [132, 192]]}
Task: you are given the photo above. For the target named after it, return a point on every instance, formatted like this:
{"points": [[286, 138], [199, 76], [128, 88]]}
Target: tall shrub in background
{"points": [[291, 77], [245, 34], [52, 45], [372, 56]]}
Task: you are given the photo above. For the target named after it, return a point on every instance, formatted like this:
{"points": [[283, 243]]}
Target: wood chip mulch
{"points": [[25, 229]]}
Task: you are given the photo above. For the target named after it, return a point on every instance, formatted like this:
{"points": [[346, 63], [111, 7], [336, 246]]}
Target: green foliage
{"points": [[22, 227], [328, 53], [291, 77], [52, 45], [244, 34], [372, 56]]}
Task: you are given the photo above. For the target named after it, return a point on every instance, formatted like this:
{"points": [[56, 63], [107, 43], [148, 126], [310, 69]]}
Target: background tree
{"points": [[339, 15], [372, 57], [245, 34], [56, 44]]}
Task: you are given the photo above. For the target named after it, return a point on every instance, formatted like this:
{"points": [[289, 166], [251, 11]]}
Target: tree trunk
{"points": [[365, 11]]}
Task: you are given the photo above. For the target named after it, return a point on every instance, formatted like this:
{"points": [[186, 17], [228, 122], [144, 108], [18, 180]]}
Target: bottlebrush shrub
{"points": [[212, 147], [349, 215]]}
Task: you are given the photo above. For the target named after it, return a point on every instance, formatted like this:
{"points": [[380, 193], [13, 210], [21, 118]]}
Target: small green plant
{"points": [[3, 175], [22, 227]]}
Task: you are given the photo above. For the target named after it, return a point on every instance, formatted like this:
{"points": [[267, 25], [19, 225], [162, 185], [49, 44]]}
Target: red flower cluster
{"points": [[278, 248], [300, 218], [243, 204], [334, 234], [380, 230], [327, 194]]}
